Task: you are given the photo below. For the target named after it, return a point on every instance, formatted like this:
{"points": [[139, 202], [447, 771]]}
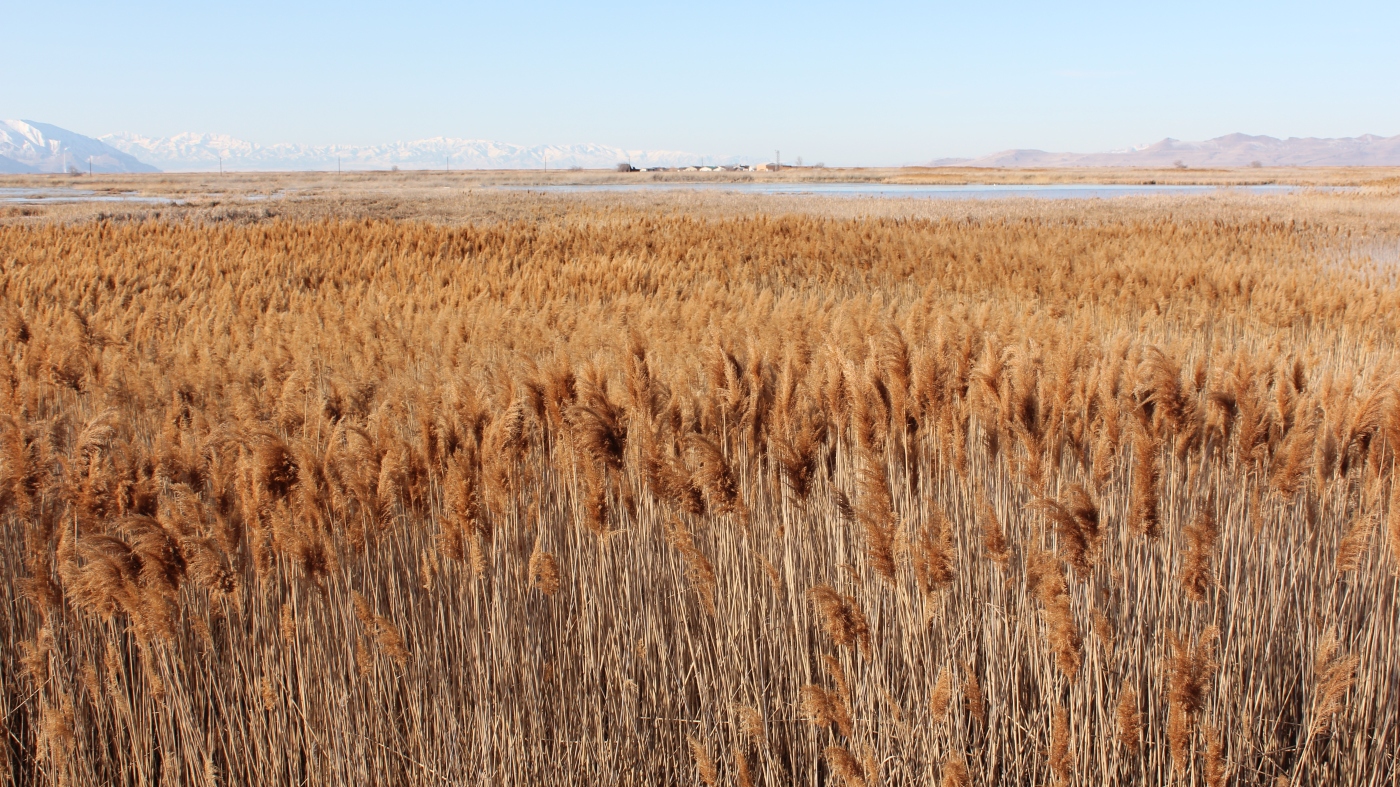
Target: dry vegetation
{"points": [[1366, 204], [619, 496]]}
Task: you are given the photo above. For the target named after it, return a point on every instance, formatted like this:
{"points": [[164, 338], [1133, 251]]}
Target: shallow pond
{"points": [[41, 196], [899, 190]]}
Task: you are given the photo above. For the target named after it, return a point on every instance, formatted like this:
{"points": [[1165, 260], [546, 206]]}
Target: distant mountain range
{"points": [[203, 153], [1232, 150], [28, 147]]}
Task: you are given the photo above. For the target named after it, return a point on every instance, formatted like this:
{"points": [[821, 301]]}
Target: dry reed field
{"points": [[626, 496]]}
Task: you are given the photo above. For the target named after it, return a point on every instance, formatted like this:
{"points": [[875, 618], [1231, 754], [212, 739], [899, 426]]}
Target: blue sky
{"points": [[856, 83]]}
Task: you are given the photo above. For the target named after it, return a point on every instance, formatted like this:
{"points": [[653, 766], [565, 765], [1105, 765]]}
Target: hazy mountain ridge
{"points": [[1231, 150], [29, 147], [9, 166], [203, 152]]}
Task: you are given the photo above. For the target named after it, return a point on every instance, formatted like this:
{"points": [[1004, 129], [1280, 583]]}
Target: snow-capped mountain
{"points": [[26, 146], [1232, 150], [204, 153]]}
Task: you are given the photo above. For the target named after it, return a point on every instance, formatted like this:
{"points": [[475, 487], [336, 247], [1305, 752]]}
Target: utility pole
{"points": [[778, 159]]}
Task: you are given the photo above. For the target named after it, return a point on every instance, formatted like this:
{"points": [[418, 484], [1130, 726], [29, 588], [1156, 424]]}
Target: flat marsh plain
{"points": [[406, 479]]}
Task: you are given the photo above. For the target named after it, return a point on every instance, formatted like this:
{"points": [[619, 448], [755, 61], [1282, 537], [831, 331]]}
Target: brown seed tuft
{"points": [[972, 692], [876, 514], [1335, 675], [1216, 770], [1202, 535], [543, 570], [1146, 491], [742, 773], [826, 709], [1061, 760], [955, 772], [1129, 719], [841, 618], [1189, 671], [383, 630], [699, 570], [1047, 579], [751, 724], [845, 765], [1355, 543], [1104, 630], [933, 555], [994, 541], [704, 763], [941, 697]]}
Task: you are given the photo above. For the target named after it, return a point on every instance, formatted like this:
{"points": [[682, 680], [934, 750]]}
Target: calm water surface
{"points": [[873, 190], [40, 196], [888, 190]]}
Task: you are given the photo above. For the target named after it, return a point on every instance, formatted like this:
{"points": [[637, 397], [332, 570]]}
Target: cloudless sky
{"points": [[854, 83]]}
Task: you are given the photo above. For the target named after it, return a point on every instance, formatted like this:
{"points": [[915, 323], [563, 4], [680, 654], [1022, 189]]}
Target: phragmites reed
{"points": [[1216, 770], [462, 526], [1335, 676], [972, 694], [1202, 534], [1129, 719], [994, 541], [716, 477], [1076, 522], [383, 630], [743, 774], [845, 765], [544, 570], [933, 556], [1047, 582], [841, 618], [1291, 462], [699, 570], [751, 724], [288, 625], [1354, 544], [1146, 492], [286, 497], [826, 709], [1189, 670], [876, 514], [941, 697], [1104, 630], [1393, 526], [704, 763], [955, 773], [1061, 759], [797, 454], [838, 678]]}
